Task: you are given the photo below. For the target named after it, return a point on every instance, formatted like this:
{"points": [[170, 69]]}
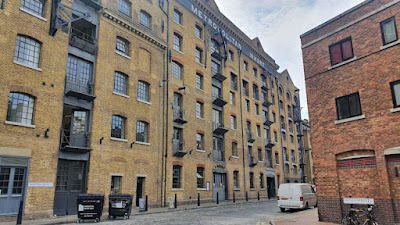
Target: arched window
{"points": [[143, 91], [118, 127], [27, 51], [142, 131], [20, 108]]}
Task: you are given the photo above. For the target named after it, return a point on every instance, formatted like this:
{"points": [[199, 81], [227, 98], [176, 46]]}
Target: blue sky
{"points": [[279, 24]]}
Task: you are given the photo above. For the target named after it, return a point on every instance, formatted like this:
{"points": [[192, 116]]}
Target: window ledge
{"points": [[202, 151], [395, 110], [252, 189], [125, 96], [349, 119], [122, 54], [179, 51], [32, 14], [177, 189], [178, 24], [201, 64], [200, 118], [200, 89], [202, 189], [390, 45], [235, 157], [28, 66], [199, 38], [142, 143], [260, 161], [20, 124], [236, 189], [145, 102], [342, 63], [118, 139]]}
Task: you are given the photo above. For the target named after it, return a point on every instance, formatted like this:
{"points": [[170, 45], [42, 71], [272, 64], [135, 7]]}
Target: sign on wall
{"points": [[359, 201], [40, 184]]}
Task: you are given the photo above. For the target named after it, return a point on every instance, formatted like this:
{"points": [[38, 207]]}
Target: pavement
{"points": [[304, 217]]}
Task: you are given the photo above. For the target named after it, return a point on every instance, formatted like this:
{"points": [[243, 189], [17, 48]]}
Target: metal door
{"points": [[12, 184], [139, 189], [71, 180], [78, 136], [219, 186], [271, 187]]}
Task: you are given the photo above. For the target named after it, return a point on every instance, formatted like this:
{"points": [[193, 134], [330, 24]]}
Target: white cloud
{"points": [[279, 24]]}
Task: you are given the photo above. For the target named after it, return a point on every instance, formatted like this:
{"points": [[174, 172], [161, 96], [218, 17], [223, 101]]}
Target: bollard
{"points": [[147, 203], [19, 219], [247, 197], [258, 196], [198, 199], [217, 198], [176, 202], [233, 197]]}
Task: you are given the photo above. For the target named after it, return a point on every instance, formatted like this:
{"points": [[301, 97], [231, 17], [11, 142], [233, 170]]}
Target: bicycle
{"points": [[353, 217]]}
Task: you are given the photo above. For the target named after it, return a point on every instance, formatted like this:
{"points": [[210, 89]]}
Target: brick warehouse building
{"points": [[352, 81], [145, 97]]}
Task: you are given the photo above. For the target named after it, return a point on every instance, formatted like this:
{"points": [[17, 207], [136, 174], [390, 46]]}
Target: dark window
{"points": [[199, 81], [125, 7], [234, 81], [234, 149], [122, 46], [261, 180], [199, 55], [348, 106], [389, 31], [245, 66], [236, 179], [79, 73], [145, 19], [178, 17], [18, 181], [256, 93], [177, 70], [230, 55], [116, 184], [176, 177], [395, 86], [20, 108], [5, 173], [276, 158], [293, 157], [245, 88], [255, 72], [120, 83], [251, 180], [200, 177], [260, 155], [341, 51], [34, 6], [142, 131], [118, 127], [27, 51], [247, 105], [200, 141], [143, 91]]}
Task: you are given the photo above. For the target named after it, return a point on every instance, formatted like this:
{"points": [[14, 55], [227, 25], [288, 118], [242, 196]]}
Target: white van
{"points": [[296, 196]]}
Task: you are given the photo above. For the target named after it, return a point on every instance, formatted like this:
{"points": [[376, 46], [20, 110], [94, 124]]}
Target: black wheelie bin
{"points": [[90, 207]]}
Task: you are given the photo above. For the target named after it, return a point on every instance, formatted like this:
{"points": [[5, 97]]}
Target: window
{"points": [[234, 149], [199, 110], [118, 127], [275, 137], [122, 46], [274, 117], [161, 3], [255, 72], [116, 184], [177, 70], [291, 139], [177, 17], [273, 99], [199, 32], [276, 158], [260, 155], [199, 81], [247, 105], [33, 6], [294, 169], [200, 177], [281, 104], [288, 96], [176, 177], [177, 42], [341, 51], [257, 109], [199, 55], [245, 66], [258, 130], [293, 156], [233, 122], [232, 98], [246, 88], [145, 19], [200, 141], [251, 180], [120, 83], [142, 132], [256, 93], [20, 108], [125, 7], [230, 55], [143, 91], [236, 179], [389, 32], [234, 81], [283, 136], [348, 106], [280, 91], [261, 180], [395, 86], [27, 51]]}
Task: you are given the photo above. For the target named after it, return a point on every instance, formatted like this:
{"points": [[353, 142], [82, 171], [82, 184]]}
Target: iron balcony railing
{"points": [[83, 36], [179, 115], [250, 137], [234, 85], [252, 160], [246, 92], [80, 140], [178, 147], [79, 85], [219, 155]]}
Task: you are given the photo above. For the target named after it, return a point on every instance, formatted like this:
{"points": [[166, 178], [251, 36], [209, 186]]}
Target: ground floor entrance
{"points": [[271, 187], [12, 188], [219, 186], [71, 181], [139, 189]]}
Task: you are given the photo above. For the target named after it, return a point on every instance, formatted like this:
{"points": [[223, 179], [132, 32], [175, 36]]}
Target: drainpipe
{"points": [[280, 128], [166, 110], [241, 119]]}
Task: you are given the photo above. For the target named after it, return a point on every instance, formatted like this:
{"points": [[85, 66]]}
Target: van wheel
{"points": [[282, 209], [306, 206]]}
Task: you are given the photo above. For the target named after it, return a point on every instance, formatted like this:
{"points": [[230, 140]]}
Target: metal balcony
{"points": [[83, 41], [269, 143], [218, 128], [246, 92], [79, 89], [217, 55], [300, 135], [234, 86], [178, 146], [266, 103], [78, 143], [250, 137], [179, 116], [252, 161], [219, 76], [218, 100], [219, 156], [264, 86], [268, 122]]}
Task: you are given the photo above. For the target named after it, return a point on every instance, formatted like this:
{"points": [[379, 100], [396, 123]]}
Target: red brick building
{"points": [[352, 73]]}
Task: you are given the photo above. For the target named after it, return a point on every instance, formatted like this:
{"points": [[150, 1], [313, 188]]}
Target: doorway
{"points": [[139, 189], [219, 186]]}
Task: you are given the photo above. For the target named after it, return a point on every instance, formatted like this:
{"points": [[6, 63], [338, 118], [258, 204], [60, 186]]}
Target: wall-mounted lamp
{"points": [[209, 154], [132, 144], [182, 88], [46, 133], [101, 140]]}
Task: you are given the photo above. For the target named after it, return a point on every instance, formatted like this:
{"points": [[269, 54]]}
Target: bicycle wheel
{"points": [[372, 223], [347, 220]]}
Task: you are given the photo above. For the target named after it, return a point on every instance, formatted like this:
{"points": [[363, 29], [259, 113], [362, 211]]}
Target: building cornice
{"points": [[135, 28]]}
